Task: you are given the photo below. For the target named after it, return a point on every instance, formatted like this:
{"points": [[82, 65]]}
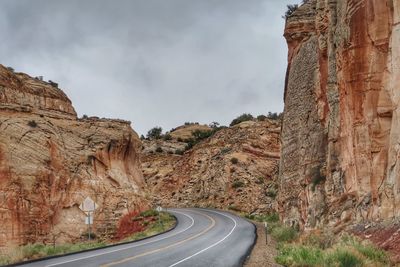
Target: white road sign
{"points": [[158, 209], [89, 220], [88, 205]]}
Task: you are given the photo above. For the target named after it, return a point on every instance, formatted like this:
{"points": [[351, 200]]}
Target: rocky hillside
{"points": [[50, 161], [236, 168], [340, 133]]}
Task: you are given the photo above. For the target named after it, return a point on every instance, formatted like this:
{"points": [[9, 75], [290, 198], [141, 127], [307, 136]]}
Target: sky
{"points": [[153, 62]]}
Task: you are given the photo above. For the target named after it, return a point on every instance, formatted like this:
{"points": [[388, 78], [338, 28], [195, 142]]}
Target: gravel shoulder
{"points": [[262, 254]]}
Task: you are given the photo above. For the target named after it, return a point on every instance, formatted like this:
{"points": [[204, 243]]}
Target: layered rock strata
{"points": [[50, 161], [340, 135], [236, 169]]}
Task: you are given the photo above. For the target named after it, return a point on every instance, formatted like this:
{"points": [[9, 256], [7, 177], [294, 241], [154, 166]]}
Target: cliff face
{"points": [[50, 161], [236, 168], [340, 135]]}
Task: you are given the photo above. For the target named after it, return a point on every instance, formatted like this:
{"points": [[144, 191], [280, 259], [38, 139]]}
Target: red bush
{"points": [[128, 226]]}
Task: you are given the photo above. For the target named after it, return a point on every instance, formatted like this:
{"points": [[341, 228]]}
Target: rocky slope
{"points": [[50, 161], [236, 168], [340, 133]]}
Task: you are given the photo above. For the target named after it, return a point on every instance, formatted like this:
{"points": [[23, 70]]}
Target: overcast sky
{"points": [[153, 62]]}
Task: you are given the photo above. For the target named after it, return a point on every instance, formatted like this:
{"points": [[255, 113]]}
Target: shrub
{"points": [[213, 125], [373, 253], [345, 258], [290, 10], [32, 124], [179, 139], [85, 117], [179, 152], [154, 133], [167, 137], [127, 226], [291, 255], [159, 150], [200, 135], [271, 192], [322, 241], [149, 213], [237, 184], [234, 160], [273, 116], [284, 234], [241, 118], [261, 117]]}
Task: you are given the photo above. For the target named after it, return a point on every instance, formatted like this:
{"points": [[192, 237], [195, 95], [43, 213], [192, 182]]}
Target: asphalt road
{"points": [[202, 237]]}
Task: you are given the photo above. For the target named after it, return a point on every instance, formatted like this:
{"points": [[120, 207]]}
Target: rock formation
{"points": [[236, 168], [340, 133], [50, 161]]}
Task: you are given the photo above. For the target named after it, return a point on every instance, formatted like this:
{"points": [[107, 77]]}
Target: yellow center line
{"points": [[166, 247]]}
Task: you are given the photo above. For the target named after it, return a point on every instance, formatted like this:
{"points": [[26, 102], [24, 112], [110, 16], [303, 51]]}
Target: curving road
{"points": [[202, 237]]}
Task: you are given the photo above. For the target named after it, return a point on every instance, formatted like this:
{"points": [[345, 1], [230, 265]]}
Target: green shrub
{"points": [[373, 253], [271, 192], [261, 117], [154, 133], [167, 137], [159, 150], [283, 233], [234, 160], [242, 118], [179, 152], [179, 139], [32, 124], [149, 213], [345, 258], [237, 184], [291, 255], [290, 10]]}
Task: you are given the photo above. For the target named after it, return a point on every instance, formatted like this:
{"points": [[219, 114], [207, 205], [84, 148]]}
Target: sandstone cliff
{"points": [[340, 133], [50, 161], [236, 168]]}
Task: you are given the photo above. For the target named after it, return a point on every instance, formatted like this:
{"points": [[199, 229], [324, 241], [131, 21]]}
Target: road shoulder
{"points": [[262, 254]]}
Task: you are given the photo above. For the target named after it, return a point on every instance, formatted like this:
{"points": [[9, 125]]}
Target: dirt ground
{"points": [[263, 254]]}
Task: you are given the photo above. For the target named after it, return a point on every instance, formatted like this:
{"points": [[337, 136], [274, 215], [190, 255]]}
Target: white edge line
{"points": [[213, 245], [129, 247]]}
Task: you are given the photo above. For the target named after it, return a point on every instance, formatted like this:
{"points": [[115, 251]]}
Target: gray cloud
{"points": [[154, 62]]}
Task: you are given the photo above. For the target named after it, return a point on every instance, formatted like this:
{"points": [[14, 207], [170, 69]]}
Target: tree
{"points": [[290, 10], [273, 115], [214, 125], [242, 118], [261, 117], [154, 133]]}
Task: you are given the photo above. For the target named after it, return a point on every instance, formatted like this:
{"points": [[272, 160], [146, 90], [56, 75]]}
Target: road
{"points": [[202, 237]]}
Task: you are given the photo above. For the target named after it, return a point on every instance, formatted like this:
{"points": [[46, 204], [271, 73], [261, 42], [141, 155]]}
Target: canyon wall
{"points": [[236, 168], [50, 161], [340, 133]]}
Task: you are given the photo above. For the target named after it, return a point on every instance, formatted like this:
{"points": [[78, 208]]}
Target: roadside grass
{"points": [[319, 249], [35, 251], [347, 252]]}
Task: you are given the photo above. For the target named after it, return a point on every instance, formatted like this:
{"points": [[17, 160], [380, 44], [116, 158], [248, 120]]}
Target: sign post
{"points": [[266, 232], [88, 206], [159, 209]]}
